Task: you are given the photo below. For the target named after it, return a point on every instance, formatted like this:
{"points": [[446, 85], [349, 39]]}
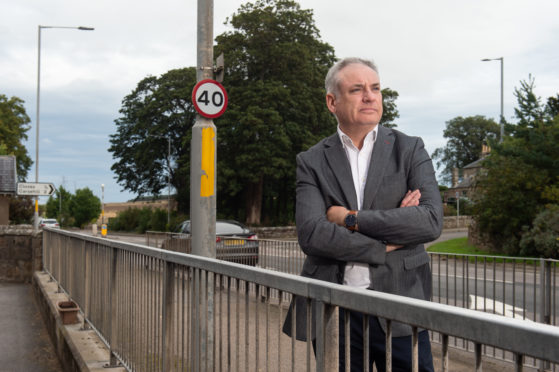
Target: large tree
{"points": [[275, 68], [157, 108], [521, 179], [465, 138], [14, 124]]}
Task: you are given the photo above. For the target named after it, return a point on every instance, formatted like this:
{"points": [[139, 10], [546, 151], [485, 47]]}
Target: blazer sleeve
{"points": [[409, 225], [317, 236]]}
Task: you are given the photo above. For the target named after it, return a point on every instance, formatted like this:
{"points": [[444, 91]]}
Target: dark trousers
{"points": [[401, 347]]}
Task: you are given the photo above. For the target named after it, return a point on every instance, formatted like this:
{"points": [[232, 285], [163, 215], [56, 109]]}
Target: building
{"points": [[464, 180]]}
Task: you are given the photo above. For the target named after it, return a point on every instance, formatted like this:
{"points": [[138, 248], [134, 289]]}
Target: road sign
{"points": [[209, 98], [37, 188]]}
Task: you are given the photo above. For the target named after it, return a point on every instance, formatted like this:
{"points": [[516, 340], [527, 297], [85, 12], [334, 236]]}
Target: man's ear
{"points": [[331, 102]]}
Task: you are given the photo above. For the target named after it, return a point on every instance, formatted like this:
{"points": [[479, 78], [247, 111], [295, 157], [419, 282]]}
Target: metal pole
{"points": [[502, 115], [203, 159], [502, 120], [36, 213], [457, 209], [102, 204], [81, 28], [202, 175]]}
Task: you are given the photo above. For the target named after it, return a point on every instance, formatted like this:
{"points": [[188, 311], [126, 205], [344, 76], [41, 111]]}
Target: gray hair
{"points": [[331, 81]]}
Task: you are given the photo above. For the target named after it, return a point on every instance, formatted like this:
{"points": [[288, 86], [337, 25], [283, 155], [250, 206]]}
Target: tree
{"points": [[521, 179], [466, 137], [389, 110], [275, 68], [21, 210], [84, 207], [58, 206], [158, 107], [13, 131]]}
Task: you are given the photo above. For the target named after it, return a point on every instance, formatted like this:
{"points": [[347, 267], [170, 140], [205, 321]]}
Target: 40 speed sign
{"points": [[209, 98]]}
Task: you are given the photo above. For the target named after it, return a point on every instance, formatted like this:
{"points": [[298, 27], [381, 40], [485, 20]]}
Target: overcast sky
{"points": [[428, 51]]}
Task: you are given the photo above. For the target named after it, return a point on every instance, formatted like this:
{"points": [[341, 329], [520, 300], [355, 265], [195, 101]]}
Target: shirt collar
{"points": [[346, 141]]}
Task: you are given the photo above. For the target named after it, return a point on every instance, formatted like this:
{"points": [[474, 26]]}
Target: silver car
{"points": [[234, 241]]}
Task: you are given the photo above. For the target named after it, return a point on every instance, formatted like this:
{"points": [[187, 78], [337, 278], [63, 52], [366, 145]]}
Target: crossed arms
{"points": [[412, 218]]}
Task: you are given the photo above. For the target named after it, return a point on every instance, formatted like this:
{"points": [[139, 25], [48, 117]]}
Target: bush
{"points": [[140, 220], [542, 240]]}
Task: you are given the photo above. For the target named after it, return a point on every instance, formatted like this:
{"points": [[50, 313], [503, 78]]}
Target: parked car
{"points": [[234, 242], [49, 222]]}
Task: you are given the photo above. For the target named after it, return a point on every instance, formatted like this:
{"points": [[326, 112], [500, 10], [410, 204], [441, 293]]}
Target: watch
{"points": [[350, 220]]}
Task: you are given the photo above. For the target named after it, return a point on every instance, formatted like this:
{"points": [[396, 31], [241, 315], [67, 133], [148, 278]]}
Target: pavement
{"points": [[24, 341]]}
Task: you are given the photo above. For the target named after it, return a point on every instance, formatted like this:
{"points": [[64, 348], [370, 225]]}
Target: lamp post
{"points": [[502, 123], [102, 204], [81, 28]]}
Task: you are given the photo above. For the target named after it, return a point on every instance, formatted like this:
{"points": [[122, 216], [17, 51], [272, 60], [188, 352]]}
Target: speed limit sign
{"points": [[209, 98]]}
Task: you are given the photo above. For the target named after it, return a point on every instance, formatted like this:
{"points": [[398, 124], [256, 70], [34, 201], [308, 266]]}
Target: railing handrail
{"points": [[489, 329]]}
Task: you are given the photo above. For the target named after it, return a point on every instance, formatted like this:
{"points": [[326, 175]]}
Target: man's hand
{"points": [[411, 199], [336, 214]]}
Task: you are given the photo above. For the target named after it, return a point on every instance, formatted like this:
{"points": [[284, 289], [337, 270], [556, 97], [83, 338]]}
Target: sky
{"points": [[428, 51]]}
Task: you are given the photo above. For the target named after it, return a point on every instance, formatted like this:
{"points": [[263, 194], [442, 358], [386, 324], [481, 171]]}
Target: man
{"points": [[367, 200]]}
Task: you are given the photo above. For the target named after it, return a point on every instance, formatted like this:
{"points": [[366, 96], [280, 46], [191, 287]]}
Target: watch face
{"points": [[350, 220]]}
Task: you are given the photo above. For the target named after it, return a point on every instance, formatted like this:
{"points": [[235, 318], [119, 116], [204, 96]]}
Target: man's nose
{"points": [[368, 95]]}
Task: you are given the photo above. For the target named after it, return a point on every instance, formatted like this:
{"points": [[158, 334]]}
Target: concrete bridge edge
{"points": [[77, 349]]}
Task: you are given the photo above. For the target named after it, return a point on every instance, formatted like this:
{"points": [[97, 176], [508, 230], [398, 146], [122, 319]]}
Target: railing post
{"points": [[545, 299], [87, 285], [169, 290], [327, 337], [113, 326]]}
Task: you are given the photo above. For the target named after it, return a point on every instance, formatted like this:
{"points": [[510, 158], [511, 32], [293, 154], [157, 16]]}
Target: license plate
{"points": [[234, 242]]}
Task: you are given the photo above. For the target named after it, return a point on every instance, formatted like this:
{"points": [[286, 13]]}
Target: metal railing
{"points": [[165, 311], [514, 287]]}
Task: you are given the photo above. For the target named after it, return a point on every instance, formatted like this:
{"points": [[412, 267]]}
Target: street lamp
{"points": [[102, 204], [81, 28], [502, 116]]}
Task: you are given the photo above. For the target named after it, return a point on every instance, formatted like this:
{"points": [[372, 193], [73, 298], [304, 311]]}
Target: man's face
{"points": [[359, 100]]}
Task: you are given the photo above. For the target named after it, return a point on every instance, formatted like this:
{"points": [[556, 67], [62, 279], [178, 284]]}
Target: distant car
{"points": [[234, 241], [49, 222]]}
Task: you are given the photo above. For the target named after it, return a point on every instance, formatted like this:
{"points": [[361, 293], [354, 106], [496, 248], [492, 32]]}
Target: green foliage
{"points": [[21, 210], [522, 178], [140, 220], [465, 138], [58, 206], [274, 74], [84, 207], [157, 108], [542, 240], [13, 132], [389, 110]]}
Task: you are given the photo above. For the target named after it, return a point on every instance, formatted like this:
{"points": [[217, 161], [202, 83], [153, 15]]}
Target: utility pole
{"points": [[203, 181]]}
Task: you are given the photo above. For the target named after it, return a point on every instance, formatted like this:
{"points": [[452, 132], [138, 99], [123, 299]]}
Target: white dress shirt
{"points": [[357, 274]]}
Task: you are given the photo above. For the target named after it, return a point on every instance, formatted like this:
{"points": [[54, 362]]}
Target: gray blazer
{"points": [[399, 163]]}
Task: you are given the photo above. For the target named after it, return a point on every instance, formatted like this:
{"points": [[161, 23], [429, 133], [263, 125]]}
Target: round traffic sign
{"points": [[209, 98]]}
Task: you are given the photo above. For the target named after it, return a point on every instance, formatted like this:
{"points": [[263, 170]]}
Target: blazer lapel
{"points": [[379, 158], [337, 160]]}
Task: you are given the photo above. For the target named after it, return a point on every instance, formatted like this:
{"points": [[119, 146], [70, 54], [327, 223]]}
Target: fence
{"points": [[514, 287], [165, 311]]}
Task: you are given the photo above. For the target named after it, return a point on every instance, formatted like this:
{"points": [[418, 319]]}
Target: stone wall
{"points": [[282, 232], [20, 253], [290, 232], [450, 222]]}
